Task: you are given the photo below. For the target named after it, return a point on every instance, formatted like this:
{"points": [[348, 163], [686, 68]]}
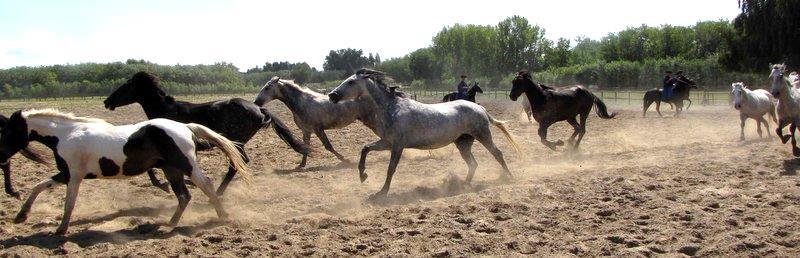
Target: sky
{"points": [[250, 33]]}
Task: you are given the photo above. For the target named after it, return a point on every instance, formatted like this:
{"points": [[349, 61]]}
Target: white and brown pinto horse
{"points": [[753, 104], [89, 148]]}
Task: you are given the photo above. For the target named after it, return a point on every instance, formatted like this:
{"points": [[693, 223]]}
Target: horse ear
{"points": [[275, 79]]}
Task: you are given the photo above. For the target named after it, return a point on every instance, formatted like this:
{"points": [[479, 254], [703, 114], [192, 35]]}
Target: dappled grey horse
{"points": [[404, 123], [312, 111]]}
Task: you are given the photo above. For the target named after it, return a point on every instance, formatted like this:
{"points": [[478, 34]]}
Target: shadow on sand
{"points": [[451, 186], [86, 238], [790, 167], [341, 165]]}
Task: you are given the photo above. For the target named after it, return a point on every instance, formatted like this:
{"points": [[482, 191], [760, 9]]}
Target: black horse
{"points": [[236, 119], [550, 106], [471, 93], [6, 166], [679, 94]]}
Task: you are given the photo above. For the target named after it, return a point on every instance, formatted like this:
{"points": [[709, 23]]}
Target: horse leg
{"points": [[231, 173], [464, 145], [307, 142], [327, 143], [205, 185], [22, 216], [397, 151], [488, 143], [543, 136], [7, 177], [795, 150], [779, 130], [658, 108], [379, 146], [758, 127], [766, 125], [576, 129], [742, 118], [151, 173], [645, 106], [69, 204], [175, 179], [582, 130]]}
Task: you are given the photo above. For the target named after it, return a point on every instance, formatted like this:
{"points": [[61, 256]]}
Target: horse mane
{"points": [[380, 80], [150, 80], [51, 113], [293, 84]]}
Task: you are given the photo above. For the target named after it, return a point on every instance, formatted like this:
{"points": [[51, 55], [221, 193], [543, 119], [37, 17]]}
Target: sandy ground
{"points": [[638, 186]]}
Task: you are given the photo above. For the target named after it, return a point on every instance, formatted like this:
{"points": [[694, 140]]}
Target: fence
{"points": [[613, 97]]}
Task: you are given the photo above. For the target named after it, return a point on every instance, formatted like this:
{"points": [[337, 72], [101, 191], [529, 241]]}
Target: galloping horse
{"points": [[404, 123], [6, 166], [753, 104], [312, 111], [237, 119], [788, 105], [680, 93], [550, 106], [472, 92], [89, 148]]}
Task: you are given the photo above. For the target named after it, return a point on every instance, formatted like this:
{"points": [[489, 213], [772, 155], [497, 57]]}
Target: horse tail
{"points": [[227, 146], [283, 132], [600, 108], [502, 126]]}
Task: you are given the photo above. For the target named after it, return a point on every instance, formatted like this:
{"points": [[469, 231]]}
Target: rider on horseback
{"points": [[669, 84], [462, 88]]}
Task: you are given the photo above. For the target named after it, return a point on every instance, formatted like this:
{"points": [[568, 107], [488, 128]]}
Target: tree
{"points": [[423, 65], [466, 49], [767, 31], [301, 72], [520, 45], [559, 55], [348, 60], [586, 51]]}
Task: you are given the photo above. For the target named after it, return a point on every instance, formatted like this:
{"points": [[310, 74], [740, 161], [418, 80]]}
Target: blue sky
{"points": [[249, 33]]}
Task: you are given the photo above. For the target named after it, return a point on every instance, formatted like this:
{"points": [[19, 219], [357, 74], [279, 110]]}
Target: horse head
{"points": [[777, 80], [138, 88], [14, 136], [357, 85], [737, 89], [269, 92], [521, 81], [476, 88]]}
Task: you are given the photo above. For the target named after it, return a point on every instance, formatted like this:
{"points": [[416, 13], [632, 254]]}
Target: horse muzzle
{"points": [[737, 106], [108, 105], [512, 97]]}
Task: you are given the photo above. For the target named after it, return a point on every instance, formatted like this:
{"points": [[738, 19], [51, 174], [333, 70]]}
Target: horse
{"points": [[312, 111], [472, 92], [680, 94], [6, 166], [753, 104], [237, 119], [91, 148], [550, 106], [404, 123], [788, 108]]}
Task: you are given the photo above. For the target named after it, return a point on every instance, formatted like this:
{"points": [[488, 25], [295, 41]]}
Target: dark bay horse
{"points": [[6, 165], [236, 119], [404, 123], [472, 92], [680, 94], [549, 106]]}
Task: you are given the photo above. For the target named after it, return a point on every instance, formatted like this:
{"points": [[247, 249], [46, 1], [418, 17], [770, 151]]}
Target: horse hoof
{"points": [[15, 195], [363, 177], [796, 151], [559, 143], [379, 196], [61, 231], [20, 218]]}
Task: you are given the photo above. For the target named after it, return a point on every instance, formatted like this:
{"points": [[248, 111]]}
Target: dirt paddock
{"points": [[638, 186]]}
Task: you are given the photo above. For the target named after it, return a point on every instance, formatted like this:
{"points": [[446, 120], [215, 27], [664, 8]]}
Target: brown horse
{"points": [[549, 106]]}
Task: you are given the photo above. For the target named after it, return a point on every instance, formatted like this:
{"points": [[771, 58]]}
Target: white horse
{"points": [[788, 108], [753, 104], [312, 111], [89, 148], [404, 123], [794, 79]]}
